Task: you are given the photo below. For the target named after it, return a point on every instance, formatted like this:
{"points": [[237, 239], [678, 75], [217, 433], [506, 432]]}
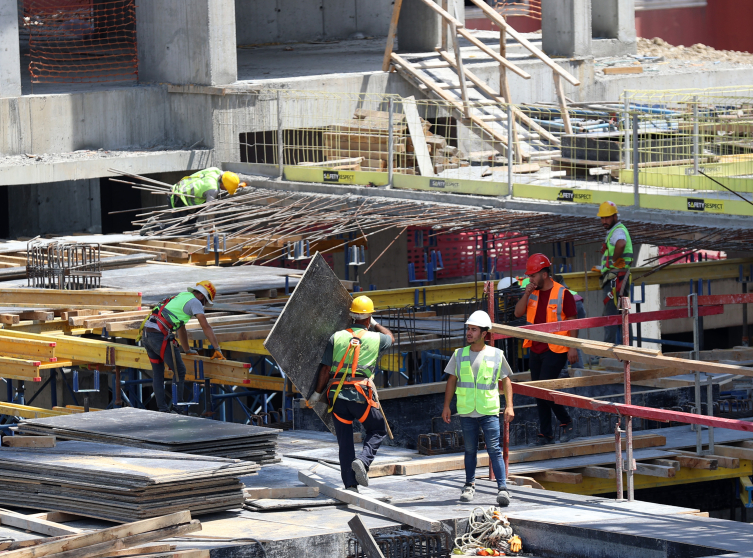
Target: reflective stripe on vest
{"points": [[607, 257], [173, 311], [479, 393], [368, 354], [192, 189], [553, 313]]}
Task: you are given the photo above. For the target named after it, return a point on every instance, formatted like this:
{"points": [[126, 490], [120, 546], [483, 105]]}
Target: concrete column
{"points": [[187, 41], [10, 56], [566, 27], [419, 27], [613, 27]]}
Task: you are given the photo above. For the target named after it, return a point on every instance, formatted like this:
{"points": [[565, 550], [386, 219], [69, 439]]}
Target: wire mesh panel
{"points": [[60, 265], [80, 41]]}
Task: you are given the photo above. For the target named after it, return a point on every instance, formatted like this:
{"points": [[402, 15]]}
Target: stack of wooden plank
{"points": [[117, 483], [161, 431], [131, 539]]}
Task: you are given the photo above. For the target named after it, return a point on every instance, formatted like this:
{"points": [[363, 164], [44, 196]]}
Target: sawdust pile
{"points": [[660, 47]]}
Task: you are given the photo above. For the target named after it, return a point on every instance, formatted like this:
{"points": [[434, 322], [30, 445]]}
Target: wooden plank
{"points": [[151, 549], [29, 441], [418, 137], [9, 319], [623, 70], [282, 492], [697, 462], [54, 298], [560, 90], [370, 504], [559, 476], [35, 524], [392, 31], [595, 472], [723, 461], [649, 470], [368, 544], [731, 452], [39, 315], [666, 463], [104, 535], [460, 70], [600, 378], [554, 451]]}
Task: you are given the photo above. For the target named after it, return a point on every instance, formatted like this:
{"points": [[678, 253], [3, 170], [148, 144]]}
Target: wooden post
{"points": [[445, 42], [563, 103], [461, 73], [391, 36]]}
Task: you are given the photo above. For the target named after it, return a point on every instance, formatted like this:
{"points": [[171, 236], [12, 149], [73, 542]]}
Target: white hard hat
{"points": [[479, 318], [506, 282]]}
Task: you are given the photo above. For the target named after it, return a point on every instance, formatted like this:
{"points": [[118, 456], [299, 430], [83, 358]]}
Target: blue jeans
{"points": [[490, 426], [612, 334]]}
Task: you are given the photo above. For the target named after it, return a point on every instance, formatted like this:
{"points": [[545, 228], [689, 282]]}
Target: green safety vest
{"points": [[481, 393], [173, 310], [197, 185], [607, 258], [367, 357]]}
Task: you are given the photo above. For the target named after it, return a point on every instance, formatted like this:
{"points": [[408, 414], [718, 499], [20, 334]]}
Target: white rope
{"points": [[486, 529]]}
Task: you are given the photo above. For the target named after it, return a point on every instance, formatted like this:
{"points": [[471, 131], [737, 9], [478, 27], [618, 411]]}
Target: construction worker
{"points": [[580, 309], [160, 327], [474, 376], [616, 261], [204, 186], [546, 301], [346, 368]]}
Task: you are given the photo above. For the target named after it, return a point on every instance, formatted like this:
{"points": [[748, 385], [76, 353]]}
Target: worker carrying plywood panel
{"points": [[204, 186], [546, 301], [160, 328], [616, 261], [474, 375], [350, 391]]}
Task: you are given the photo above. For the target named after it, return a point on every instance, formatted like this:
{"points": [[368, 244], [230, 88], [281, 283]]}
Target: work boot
{"points": [[352, 489], [469, 491], [542, 440], [567, 433], [503, 498], [362, 475]]}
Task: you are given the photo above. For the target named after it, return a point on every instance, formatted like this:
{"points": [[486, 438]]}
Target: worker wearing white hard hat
{"points": [[506, 283], [475, 373]]}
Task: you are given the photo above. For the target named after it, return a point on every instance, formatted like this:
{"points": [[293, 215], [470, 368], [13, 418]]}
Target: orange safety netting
{"points": [[524, 8], [81, 41]]}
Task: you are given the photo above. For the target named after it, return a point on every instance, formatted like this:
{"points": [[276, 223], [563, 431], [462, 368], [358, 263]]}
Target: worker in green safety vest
{"points": [[616, 261], [348, 363], [475, 373], [204, 186]]}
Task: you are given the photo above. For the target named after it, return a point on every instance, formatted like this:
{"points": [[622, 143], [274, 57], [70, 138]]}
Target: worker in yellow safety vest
{"points": [[616, 261], [158, 332], [475, 374], [345, 375], [546, 301], [204, 186]]}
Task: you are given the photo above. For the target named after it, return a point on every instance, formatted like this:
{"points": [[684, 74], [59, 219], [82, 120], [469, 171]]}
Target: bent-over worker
{"points": [[475, 373], [616, 261], [348, 363], [159, 332], [546, 301], [204, 186]]}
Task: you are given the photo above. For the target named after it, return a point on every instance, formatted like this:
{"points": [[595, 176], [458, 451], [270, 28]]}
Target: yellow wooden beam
{"points": [[25, 411], [54, 298], [592, 485], [746, 487]]}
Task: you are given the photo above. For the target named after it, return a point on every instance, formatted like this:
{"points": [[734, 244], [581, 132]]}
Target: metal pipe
{"points": [[693, 303], [509, 150], [626, 123], [695, 136], [280, 140], [618, 459], [636, 164], [625, 308], [710, 409], [391, 140]]}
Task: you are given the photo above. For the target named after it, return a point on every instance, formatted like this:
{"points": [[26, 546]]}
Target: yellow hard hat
{"points": [[206, 288], [230, 181], [607, 209], [362, 305]]}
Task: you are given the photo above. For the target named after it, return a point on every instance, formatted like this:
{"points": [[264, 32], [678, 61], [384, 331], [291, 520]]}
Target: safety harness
{"points": [[354, 347], [165, 326]]}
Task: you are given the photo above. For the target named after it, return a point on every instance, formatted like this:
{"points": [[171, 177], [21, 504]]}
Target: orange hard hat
{"points": [[536, 263]]}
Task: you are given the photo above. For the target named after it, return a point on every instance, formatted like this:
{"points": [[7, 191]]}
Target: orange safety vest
{"points": [[553, 313]]}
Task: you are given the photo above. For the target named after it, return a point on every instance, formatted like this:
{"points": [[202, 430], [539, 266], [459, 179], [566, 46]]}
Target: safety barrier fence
{"points": [[692, 149]]}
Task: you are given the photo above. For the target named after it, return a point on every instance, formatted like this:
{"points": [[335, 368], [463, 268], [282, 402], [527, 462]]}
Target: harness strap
{"points": [[353, 364]]}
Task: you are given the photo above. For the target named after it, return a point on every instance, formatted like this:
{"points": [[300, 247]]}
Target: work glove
{"points": [[516, 545], [192, 352], [314, 399], [218, 355], [373, 323]]}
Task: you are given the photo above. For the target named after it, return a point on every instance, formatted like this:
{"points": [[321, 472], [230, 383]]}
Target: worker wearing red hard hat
{"points": [[546, 301]]}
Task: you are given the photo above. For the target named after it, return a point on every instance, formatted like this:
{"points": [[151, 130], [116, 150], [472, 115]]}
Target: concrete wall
{"points": [[419, 27], [54, 208], [187, 41], [10, 64], [282, 21], [566, 27]]}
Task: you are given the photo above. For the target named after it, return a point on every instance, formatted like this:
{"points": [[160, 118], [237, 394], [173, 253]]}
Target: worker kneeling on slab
{"points": [[351, 393], [475, 373], [546, 301], [158, 334], [204, 186]]}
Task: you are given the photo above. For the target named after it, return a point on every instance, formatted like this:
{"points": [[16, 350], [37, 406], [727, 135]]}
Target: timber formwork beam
{"points": [[52, 298]]}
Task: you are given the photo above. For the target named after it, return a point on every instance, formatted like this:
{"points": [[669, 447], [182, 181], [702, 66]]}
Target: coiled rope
{"points": [[487, 529]]}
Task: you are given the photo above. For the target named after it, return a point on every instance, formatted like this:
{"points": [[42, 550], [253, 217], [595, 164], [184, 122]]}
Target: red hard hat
{"points": [[536, 263]]}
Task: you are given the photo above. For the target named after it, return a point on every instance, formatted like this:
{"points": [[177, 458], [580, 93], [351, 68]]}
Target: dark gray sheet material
{"points": [[161, 431], [317, 308]]}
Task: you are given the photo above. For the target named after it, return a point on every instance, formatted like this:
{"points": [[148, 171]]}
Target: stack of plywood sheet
{"points": [[118, 483], [162, 431]]}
